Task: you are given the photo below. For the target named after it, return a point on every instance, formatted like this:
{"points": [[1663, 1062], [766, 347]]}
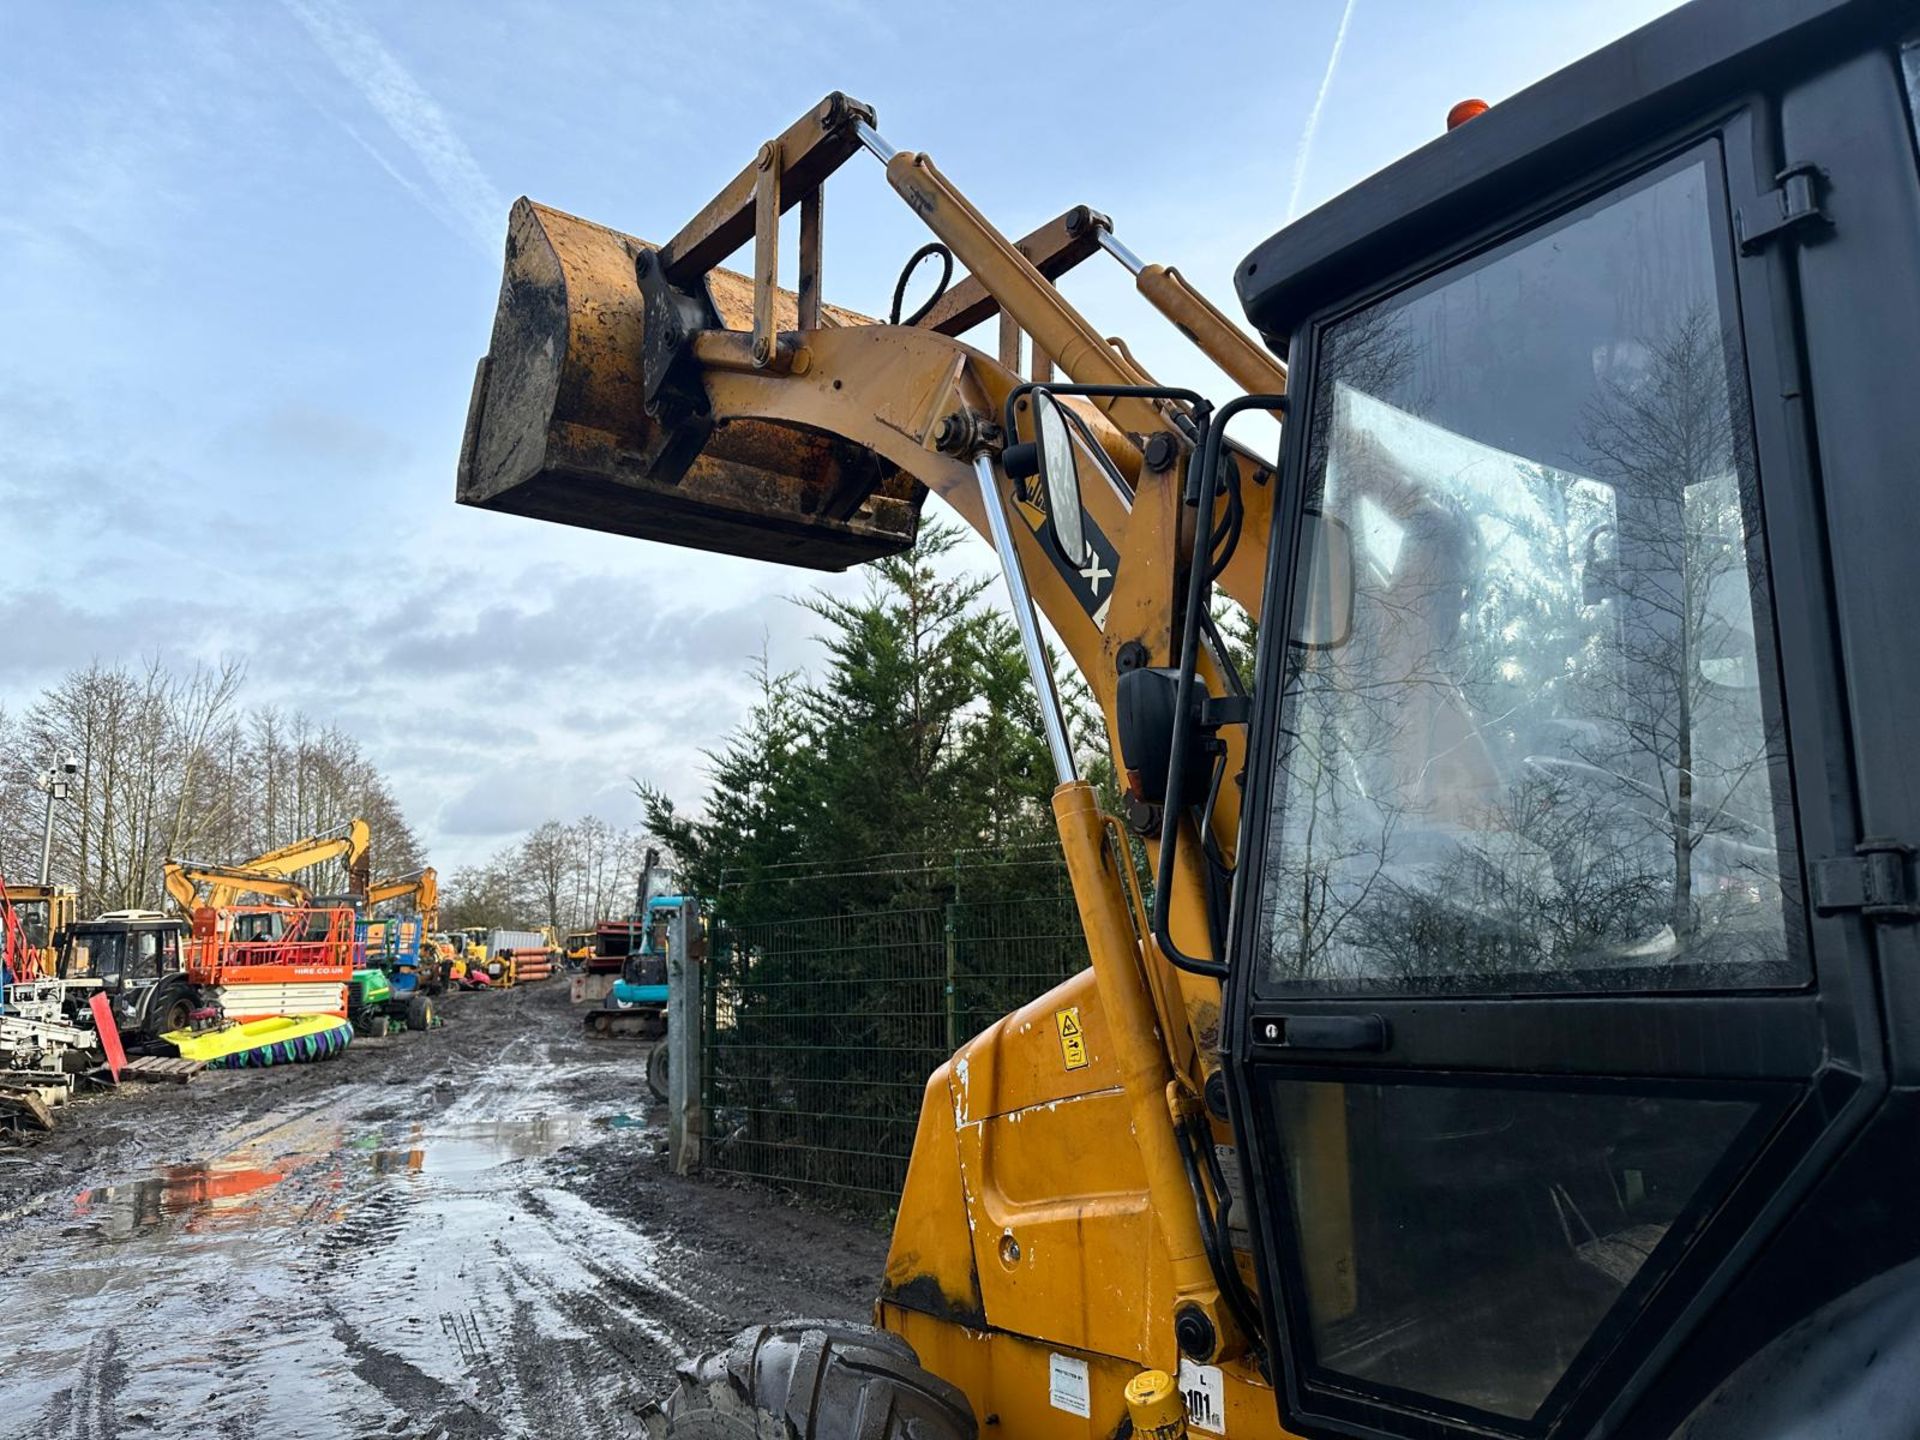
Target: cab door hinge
{"points": [[1876, 880], [1792, 208]]}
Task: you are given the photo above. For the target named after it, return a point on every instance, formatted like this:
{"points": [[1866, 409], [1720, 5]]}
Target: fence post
{"points": [[953, 982], [686, 956]]}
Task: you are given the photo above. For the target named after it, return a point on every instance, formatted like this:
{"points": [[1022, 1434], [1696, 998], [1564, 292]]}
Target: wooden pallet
{"points": [[25, 1110], [156, 1067]]}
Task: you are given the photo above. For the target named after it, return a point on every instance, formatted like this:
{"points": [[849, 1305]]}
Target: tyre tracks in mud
{"points": [[467, 1233]]}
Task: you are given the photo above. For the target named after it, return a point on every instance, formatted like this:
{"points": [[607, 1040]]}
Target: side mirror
{"points": [[1060, 478], [1323, 589], [1146, 710]]}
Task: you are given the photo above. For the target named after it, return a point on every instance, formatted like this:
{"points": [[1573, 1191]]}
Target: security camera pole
{"points": [[54, 781]]}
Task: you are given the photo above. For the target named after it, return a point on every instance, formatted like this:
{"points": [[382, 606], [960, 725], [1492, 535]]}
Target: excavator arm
{"points": [[421, 887], [351, 842], [194, 886], [268, 874]]}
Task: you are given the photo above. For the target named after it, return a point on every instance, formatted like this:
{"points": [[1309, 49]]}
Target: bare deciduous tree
{"points": [[168, 769]]}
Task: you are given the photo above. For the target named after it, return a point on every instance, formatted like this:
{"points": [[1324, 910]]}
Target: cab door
{"points": [[1534, 1023]]}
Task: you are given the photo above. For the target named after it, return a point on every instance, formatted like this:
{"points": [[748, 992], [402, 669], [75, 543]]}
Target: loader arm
{"points": [[641, 390], [559, 429]]}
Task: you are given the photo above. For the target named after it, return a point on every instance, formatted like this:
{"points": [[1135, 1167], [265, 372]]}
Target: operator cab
{"points": [[36, 922], [122, 947], [1567, 953], [136, 958]]}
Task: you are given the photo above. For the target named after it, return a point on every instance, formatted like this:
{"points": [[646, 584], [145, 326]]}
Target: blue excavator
{"points": [[636, 1005]]}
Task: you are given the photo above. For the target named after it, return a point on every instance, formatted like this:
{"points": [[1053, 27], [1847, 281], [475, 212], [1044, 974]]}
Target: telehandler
{"points": [[1517, 1033]]}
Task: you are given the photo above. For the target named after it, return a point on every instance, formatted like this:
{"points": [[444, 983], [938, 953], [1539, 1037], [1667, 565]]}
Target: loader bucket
{"points": [[558, 429]]}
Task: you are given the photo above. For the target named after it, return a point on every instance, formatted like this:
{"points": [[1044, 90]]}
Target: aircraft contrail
{"points": [[1301, 155], [466, 199]]}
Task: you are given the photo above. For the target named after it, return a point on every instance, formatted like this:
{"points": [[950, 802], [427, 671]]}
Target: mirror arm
{"points": [[1205, 429], [1213, 430], [1138, 392]]}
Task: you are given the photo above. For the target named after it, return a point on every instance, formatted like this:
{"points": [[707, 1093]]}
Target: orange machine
{"points": [[260, 960]]}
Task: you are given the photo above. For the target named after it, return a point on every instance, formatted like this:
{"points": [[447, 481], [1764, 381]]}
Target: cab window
{"points": [[1544, 758]]}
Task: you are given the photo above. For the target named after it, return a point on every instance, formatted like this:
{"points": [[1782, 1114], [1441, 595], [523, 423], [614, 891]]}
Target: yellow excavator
{"points": [[419, 889], [1516, 1031], [194, 884], [418, 892]]}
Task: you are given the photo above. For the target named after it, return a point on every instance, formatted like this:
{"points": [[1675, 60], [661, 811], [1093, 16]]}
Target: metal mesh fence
{"points": [[820, 1032]]}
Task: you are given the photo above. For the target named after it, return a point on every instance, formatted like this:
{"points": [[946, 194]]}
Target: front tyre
{"points": [[811, 1380], [173, 1013]]}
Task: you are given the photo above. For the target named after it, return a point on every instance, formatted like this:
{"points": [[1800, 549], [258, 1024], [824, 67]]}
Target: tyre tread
{"points": [[812, 1380]]}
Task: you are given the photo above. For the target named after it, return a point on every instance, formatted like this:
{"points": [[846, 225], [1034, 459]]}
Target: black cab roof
{"points": [[1569, 123]]}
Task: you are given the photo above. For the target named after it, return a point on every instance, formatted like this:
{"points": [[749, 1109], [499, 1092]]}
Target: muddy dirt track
{"points": [[468, 1232]]}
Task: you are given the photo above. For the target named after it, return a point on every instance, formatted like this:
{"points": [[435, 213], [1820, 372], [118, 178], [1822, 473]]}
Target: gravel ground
{"points": [[468, 1232]]}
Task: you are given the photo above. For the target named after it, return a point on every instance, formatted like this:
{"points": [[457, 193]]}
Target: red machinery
{"points": [[13, 944], [260, 960]]}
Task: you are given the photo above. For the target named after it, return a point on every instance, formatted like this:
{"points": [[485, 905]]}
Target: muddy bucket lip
{"points": [[558, 429]]}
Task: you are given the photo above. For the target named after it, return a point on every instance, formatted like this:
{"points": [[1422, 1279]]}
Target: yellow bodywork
{"points": [[1048, 1220], [1028, 1228]]}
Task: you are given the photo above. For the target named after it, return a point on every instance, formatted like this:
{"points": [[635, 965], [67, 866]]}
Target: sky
{"points": [[250, 252]]}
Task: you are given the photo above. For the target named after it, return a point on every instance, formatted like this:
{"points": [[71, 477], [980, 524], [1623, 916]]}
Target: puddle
{"points": [[353, 1263], [220, 1191], [230, 1192], [466, 1149]]}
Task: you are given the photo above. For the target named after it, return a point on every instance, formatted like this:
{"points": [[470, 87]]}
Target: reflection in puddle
{"points": [[221, 1189], [467, 1149], [228, 1192], [320, 1255]]}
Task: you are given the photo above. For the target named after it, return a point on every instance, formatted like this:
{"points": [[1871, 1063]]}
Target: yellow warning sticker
{"points": [[1073, 1037]]}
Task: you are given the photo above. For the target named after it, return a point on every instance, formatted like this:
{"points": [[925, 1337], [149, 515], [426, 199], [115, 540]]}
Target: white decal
{"points": [[1067, 1387], [1095, 573], [1202, 1389]]}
